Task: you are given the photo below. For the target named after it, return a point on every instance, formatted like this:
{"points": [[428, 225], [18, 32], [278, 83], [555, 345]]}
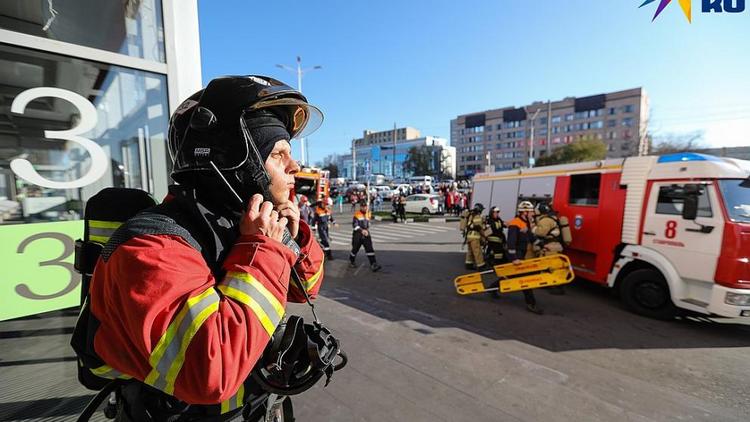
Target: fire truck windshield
{"points": [[737, 198]]}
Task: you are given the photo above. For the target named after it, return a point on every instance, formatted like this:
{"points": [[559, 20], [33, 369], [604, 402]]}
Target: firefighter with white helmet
{"points": [[520, 241]]}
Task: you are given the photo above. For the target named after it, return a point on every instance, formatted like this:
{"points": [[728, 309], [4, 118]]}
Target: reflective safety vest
{"points": [[361, 220], [496, 226]]}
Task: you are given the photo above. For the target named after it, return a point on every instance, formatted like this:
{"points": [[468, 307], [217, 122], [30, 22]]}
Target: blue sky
{"points": [[421, 63]]}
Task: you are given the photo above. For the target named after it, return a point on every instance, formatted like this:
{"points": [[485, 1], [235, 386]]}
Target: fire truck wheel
{"points": [[646, 293]]}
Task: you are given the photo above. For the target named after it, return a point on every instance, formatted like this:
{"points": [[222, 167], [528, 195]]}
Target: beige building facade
{"points": [[499, 139]]}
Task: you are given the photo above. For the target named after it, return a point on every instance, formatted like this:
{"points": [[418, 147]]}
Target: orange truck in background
{"points": [[313, 183]]}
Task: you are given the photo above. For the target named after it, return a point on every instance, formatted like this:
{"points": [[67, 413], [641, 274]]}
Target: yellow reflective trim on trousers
{"points": [[99, 224], [234, 402], [244, 298], [310, 283], [186, 339], [260, 287], [168, 335]]}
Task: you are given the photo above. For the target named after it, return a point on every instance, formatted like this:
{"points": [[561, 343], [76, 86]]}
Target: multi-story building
{"points": [[375, 151], [499, 139]]}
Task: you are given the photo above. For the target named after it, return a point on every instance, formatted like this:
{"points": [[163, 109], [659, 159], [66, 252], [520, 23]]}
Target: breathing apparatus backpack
{"points": [[104, 213]]}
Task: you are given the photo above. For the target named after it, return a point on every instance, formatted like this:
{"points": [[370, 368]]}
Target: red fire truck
{"points": [[313, 183], [668, 232]]}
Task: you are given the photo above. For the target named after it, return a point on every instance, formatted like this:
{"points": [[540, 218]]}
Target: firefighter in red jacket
{"points": [[188, 294]]}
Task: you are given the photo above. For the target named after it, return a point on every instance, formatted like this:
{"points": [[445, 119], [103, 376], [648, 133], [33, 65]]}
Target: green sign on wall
{"points": [[37, 268]]}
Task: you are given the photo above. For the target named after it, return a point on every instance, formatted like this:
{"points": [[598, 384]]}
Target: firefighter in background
{"points": [[361, 237], [520, 245], [475, 235], [305, 211], [549, 235], [496, 240], [321, 218]]}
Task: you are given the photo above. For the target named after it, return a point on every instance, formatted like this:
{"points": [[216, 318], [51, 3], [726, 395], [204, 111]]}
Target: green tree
{"points": [[419, 160], [583, 150]]}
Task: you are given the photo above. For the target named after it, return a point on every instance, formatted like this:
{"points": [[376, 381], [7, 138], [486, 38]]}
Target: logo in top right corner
{"points": [[707, 6]]}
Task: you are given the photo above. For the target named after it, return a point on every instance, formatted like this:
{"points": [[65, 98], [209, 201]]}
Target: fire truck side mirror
{"points": [[690, 206]]}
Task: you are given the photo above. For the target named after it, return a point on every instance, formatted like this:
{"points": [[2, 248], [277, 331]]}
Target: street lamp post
{"points": [[531, 143], [300, 71]]}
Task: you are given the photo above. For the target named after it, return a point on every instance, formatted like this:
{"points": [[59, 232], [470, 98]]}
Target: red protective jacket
{"points": [[166, 320]]}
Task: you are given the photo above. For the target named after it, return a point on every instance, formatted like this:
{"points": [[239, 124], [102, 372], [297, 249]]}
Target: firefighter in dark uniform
{"points": [[361, 237], [520, 241], [321, 218], [496, 240]]}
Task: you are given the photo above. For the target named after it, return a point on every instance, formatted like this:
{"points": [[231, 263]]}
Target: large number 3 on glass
{"points": [[99, 160]]}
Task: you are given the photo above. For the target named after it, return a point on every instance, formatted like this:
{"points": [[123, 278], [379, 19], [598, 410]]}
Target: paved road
{"points": [[419, 352]]}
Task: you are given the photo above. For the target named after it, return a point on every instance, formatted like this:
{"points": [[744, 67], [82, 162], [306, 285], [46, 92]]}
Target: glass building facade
{"points": [[87, 89]]}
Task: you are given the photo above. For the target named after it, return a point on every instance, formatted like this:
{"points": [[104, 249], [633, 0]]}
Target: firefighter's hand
{"points": [[291, 212], [517, 262], [260, 218]]}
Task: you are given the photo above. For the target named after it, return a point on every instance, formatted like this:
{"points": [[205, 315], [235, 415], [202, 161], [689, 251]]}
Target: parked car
{"points": [[423, 203], [404, 188], [385, 192]]}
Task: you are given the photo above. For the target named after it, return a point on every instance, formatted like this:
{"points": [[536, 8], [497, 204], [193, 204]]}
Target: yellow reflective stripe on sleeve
{"points": [[234, 402], [242, 297], [245, 289], [169, 354], [106, 371], [249, 279], [310, 282]]}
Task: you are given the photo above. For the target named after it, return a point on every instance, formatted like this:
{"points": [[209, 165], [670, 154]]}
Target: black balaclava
{"points": [[265, 129]]}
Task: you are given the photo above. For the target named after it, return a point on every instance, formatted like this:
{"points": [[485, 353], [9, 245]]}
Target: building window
{"points": [[612, 123], [611, 111], [629, 108], [611, 135], [628, 122], [128, 106], [133, 28], [555, 119], [584, 189], [597, 124], [569, 117], [543, 121]]}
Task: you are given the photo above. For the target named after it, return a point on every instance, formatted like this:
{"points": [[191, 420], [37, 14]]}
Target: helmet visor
{"points": [[302, 118]]}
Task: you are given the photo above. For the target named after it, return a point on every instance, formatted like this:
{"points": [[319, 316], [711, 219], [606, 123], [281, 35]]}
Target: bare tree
{"points": [[677, 142]]}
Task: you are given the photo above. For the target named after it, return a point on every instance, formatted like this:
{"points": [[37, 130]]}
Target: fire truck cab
{"points": [[669, 232], [313, 183]]}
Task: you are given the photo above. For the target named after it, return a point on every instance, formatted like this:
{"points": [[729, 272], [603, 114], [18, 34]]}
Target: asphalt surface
{"points": [[419, 352]]}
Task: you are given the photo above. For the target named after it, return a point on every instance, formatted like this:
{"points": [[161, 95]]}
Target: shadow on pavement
{"points": [[418, 286]]}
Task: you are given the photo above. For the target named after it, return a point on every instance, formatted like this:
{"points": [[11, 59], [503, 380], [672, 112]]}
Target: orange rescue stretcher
{"points": [[533, 273]]}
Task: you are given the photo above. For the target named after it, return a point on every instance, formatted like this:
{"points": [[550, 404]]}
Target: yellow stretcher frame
{"points": [[546, 271]]}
